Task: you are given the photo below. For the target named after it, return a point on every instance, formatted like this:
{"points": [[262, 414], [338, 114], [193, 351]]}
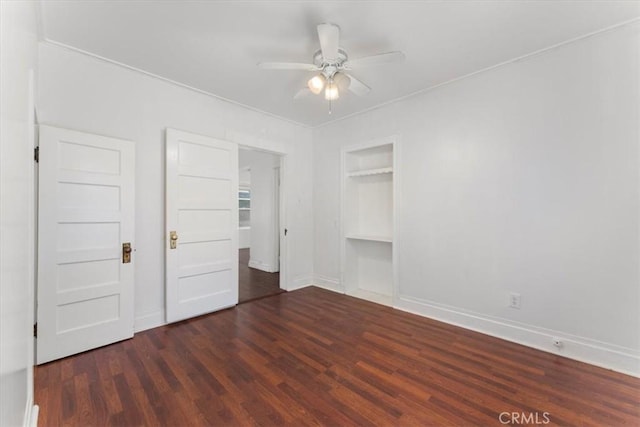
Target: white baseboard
{"points": [[597, 353], [263, 266], [31, 414], [372, 297], [148, 321], [328, 283], [300, 282]]}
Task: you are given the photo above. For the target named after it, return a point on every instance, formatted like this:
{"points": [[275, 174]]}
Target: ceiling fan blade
{"points": [[357, 87], [329, 35], [287, 66], [375, 59], [302, 93]]}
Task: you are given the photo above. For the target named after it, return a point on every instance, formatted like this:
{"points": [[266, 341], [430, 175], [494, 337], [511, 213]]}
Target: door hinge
{"points": [[35, 330], [36, 154]]}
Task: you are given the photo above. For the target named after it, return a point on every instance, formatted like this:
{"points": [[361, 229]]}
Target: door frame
{"points": [[276, 218], [282, 217], [32, 314]]}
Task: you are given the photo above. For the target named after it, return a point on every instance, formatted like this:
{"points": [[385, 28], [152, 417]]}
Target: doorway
{"points": [[259, 198]]}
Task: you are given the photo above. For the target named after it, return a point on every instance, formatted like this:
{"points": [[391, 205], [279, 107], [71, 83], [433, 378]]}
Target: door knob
{"points": [[173, 239], [126, 253]]}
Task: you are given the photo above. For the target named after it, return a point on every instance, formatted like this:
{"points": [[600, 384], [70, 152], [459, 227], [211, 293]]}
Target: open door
{"points": [[201, 225], [85, 235]]}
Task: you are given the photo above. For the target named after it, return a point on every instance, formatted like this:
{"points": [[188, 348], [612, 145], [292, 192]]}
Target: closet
{"points": [[369, 177]]}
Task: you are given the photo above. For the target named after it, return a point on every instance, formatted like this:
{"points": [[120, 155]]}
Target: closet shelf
{"points": [[367, 172], [369, 237]]}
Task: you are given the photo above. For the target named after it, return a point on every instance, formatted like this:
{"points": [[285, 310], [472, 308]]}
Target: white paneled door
{"points": [[85, 221], [202, 225]]}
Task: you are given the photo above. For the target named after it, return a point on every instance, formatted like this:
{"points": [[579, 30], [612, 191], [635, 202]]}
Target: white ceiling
{"points": [[214, 46]]}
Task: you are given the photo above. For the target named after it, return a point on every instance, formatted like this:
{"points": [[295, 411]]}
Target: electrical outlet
{"points": [[514, 300]]}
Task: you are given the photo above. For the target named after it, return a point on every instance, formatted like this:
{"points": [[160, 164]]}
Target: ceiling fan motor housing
{"points": [[330, 68]]}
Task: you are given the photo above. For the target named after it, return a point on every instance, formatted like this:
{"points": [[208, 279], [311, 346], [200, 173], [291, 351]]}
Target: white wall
{"points": [[523, 178], [244, 237], [263, 254], [88, 94], [17, 58], [244, 178]]}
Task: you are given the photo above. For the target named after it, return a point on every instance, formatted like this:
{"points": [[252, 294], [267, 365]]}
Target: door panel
{"points": [[85, 213], [202, 182]]}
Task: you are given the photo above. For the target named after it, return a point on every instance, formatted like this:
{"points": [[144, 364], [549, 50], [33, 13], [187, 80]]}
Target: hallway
{"points": [[255, 284]]}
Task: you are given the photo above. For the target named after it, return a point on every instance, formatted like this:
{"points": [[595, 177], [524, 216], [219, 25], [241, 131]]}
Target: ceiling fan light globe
{"points": [[316, 84], [342, 81], [331, 93]]}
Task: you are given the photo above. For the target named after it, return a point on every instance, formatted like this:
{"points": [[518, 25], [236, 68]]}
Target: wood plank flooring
{"points": [[254, 283], [313, 357]]}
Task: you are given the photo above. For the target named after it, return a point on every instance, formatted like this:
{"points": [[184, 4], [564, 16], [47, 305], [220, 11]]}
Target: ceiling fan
{"points": [[331, 64]]}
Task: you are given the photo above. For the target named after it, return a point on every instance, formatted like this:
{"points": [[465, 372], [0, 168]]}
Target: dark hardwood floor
{"points": [[253, 283], [313, 357]]}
